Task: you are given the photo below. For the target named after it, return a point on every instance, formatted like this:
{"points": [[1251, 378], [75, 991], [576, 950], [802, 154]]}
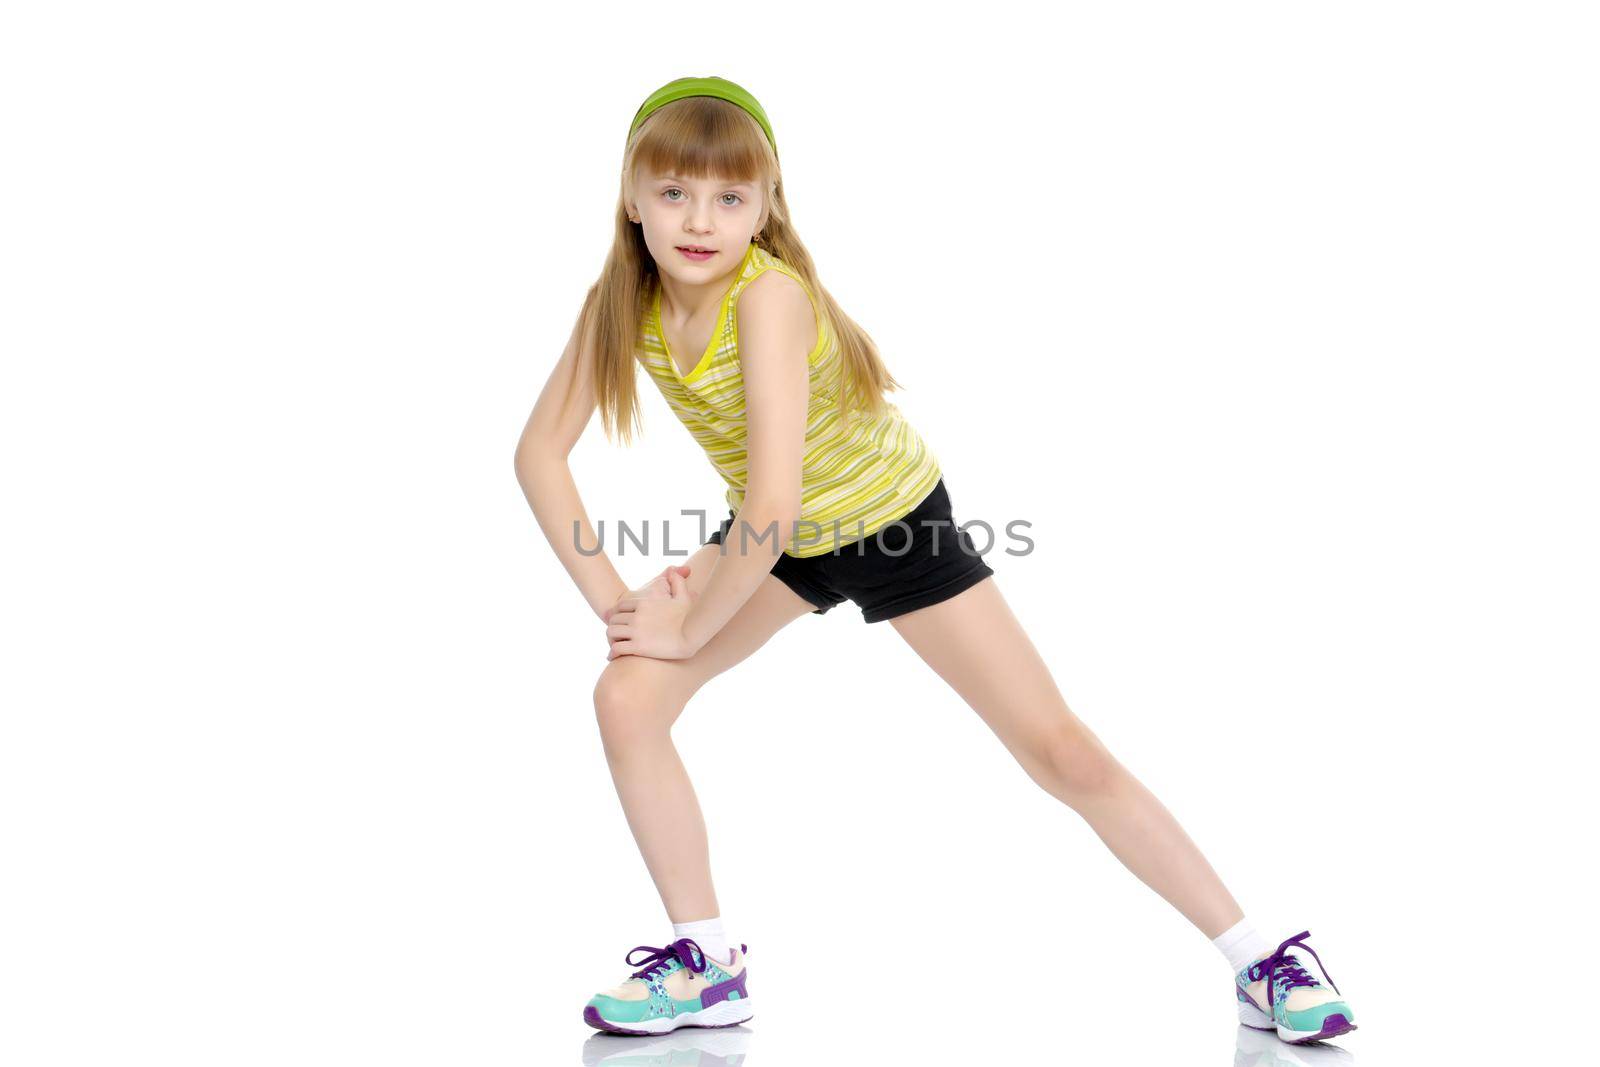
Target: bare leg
{"points": [[975, 643], [637, 699]]}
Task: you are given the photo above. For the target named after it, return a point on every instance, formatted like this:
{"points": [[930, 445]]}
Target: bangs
{"points": [[703, 137]]}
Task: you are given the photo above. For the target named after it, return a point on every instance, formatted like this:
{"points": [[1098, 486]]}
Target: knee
{"points": [[628, 708], [1072, 764]]}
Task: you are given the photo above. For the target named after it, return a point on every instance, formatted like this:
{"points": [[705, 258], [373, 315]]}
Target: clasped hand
{"points": [[649, 621]]}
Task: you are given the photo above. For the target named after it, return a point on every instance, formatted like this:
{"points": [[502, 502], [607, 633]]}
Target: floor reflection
{"points": [[1262, 1048], [690, 1047], [694, 1047]]}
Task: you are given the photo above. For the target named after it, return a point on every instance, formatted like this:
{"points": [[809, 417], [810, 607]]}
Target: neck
{"points": [[686, 300]]}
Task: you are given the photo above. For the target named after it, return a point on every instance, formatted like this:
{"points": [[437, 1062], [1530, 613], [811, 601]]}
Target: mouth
{"points": [[695, 248]]}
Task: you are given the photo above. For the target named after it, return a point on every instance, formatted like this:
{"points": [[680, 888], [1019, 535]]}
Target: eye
{"points": [[671, 190], [737, 198]]}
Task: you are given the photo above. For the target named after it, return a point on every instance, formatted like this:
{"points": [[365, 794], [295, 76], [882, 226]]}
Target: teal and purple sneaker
{"points": [[675, 986], [1276, 992]]}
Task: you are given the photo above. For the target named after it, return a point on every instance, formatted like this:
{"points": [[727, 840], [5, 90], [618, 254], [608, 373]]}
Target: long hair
{"points": [[702, 137]]}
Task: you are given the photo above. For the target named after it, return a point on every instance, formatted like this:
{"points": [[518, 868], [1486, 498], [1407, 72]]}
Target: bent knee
{"points": [[632, 702]]}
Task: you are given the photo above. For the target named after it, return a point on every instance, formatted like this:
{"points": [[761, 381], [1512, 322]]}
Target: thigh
{"points": [[670, 682], [975, 643], [914, 562]]}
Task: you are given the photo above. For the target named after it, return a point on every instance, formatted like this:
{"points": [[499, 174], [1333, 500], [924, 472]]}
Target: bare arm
{"points": [[777, 328], [546, 478]]}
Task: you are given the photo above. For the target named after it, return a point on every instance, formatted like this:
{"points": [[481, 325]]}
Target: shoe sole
{"points": [[1332, 1026], [728, 1013]]}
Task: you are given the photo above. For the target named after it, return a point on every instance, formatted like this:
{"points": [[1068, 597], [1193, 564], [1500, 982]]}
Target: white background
{"points": [[1277, 321]]}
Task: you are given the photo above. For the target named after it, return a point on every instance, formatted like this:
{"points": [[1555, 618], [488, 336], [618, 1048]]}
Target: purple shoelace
{"points": [[677, 950], [658, 957], [1280, 962]]}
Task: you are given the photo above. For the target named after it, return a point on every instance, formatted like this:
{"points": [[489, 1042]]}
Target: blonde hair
{"points": [[703, 137]]}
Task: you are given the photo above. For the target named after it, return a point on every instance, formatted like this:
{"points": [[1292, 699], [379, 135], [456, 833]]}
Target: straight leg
{"points": [[975, 643]]}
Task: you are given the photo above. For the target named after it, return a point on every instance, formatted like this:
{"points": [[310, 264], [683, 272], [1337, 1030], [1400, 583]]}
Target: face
{"points": [[679, 215]]}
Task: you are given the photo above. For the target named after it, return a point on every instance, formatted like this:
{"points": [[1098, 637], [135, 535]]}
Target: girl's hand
{"points": [[656, 589], [652, 626]]}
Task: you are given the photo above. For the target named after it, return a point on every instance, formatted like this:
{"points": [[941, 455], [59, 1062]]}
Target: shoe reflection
{"points": [[1263, 1048], [693, 1046]]}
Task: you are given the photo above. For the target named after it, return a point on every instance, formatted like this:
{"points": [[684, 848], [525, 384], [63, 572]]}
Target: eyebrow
{"points": [[731, 185]]}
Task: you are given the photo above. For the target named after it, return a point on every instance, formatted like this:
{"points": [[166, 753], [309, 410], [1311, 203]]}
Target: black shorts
{"points": [[896, 569]]}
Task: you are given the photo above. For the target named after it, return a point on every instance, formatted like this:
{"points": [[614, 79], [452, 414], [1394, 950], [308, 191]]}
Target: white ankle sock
{"points": [[707, 933], [1240, 945]]}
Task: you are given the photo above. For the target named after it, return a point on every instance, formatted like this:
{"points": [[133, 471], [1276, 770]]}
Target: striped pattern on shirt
{"points": [[854, 479]]}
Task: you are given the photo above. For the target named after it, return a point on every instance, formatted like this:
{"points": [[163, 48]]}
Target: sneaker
{"points": [[1276, 992], [674, 986]]}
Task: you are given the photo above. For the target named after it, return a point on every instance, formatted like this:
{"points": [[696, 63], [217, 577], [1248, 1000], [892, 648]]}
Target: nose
{"points": [[698, 220]]}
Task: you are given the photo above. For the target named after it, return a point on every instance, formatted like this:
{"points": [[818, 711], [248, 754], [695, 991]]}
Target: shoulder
{"points": [[774, 308], [775, 291]]}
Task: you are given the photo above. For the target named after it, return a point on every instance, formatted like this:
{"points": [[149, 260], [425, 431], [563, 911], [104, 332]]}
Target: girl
{"points": [[836, 497]]}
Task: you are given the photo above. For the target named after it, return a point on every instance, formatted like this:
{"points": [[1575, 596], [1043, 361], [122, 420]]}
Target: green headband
{"points": [[720, 88]]}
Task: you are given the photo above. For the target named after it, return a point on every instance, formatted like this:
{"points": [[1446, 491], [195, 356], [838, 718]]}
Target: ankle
{"points": [[1241, 945], [709, 935]]}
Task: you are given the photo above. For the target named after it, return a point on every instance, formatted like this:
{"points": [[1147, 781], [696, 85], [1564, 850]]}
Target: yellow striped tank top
{"points": [[854, 478]]}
